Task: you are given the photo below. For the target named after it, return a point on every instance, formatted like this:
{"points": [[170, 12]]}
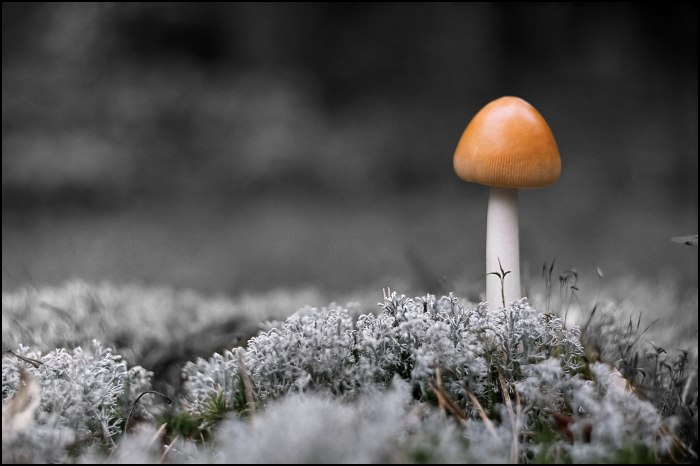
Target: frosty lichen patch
{"points": [[155, 327], [429, 342], [423, 380], [84, 395], [325, 349]]}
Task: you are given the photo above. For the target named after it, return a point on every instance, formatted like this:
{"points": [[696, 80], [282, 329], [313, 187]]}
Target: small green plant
{"points": [[216, 408], [568, 289], [502, 277], [547, 270]]}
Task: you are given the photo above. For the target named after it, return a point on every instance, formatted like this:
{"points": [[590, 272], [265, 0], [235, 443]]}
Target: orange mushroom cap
{"points": [[508, 145]]}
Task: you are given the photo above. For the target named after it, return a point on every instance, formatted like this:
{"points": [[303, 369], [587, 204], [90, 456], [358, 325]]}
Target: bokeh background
{"points": [[235, 148]]}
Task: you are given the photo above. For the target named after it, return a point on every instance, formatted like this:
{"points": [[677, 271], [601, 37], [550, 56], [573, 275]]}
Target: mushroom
{"points": [[507, 146]]}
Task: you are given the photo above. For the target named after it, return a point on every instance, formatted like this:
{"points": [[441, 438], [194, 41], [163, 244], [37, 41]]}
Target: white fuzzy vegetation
{"points": [[423, 380], [84, 397], [466, 352], [129, 318], [325, 349], [382, 426]]}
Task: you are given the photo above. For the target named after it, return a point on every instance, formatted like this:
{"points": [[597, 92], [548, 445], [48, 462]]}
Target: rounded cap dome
{"points": [[508, 145]]}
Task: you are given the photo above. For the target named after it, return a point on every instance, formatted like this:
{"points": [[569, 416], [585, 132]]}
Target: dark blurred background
{"points": [[247, 147]]}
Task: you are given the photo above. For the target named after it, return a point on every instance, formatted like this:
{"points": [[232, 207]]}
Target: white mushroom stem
{"points": [[502, 243]]}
